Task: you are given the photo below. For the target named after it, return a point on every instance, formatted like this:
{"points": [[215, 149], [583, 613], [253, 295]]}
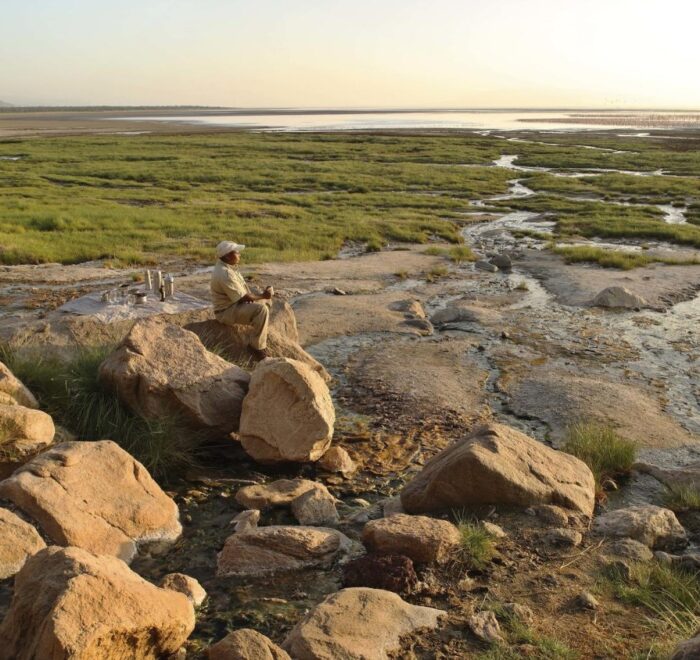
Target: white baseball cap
{"points": [[225, 247]]}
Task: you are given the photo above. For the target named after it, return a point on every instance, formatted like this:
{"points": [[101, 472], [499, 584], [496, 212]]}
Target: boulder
{"points": [[410, 307], [163, 371], [552, 515], [15, 390], [499, 465], [77, 605], [18, 541], [281, 492], [502, 262], [357, 623], [689, 650], [288, 414], [424, 540], [24, 432], [336, 459], [561, 537], [246, 520], [315, 507], [185, 585], [281, 549], [654, 526], [391, 572], [618, 297], [95, 496], [246, 644], [688, 475], [282, 340], [629, 549]]}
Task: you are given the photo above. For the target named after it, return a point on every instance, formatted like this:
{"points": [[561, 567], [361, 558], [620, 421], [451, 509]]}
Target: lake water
{"points": [[507, 120]]}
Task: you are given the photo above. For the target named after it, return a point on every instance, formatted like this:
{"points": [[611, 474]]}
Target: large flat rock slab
{"points": [[70, 603], [498, 465], [95, 496]]}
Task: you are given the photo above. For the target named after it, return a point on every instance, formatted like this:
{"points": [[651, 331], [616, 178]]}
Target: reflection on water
{"points": [[442, 119]]}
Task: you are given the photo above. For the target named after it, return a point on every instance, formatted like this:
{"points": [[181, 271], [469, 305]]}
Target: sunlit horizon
{"points": [[414, 54]]}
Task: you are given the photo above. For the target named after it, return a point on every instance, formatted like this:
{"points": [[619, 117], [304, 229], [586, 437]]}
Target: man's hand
{"points": [[269, 292]]}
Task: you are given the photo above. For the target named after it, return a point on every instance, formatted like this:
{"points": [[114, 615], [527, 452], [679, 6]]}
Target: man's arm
{"points": [[250, 297]]}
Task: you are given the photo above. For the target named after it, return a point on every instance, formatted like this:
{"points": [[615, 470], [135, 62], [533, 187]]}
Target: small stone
{"points": [[336, 459], [315, 507], [552, 514], [502, 262], [337, 292], [563, 538], [485, 626], [630, 549], [276, 493], [494, 530], [587, 601], [185, 585], [391, 572]]}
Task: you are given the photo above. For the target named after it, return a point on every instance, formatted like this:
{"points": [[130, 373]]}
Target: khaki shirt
{"points": [[227, 286]]}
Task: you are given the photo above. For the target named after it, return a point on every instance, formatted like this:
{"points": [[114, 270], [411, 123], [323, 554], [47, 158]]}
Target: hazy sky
{"points": [[450, 53]]}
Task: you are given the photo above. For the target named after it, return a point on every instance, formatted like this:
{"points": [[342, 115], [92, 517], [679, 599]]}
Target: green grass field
{"points": [[134, 199]]}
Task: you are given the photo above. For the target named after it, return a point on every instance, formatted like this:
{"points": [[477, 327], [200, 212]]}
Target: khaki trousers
{"points": [[255, 314]]}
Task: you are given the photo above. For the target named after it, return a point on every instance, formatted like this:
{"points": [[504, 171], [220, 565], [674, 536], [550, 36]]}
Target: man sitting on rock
{"points": [[234, 304]]}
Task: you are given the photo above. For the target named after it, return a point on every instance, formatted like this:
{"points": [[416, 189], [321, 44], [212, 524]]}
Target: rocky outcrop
{"points": [[282, 341], [163, 371], [95, 496], [281, 549], [423, 539], [185, 585], [288, 414], [13, 391], [654, 526], [246, 644], [499, 465], [618, 297], [357, 623], [18, 541], [69, 603], [24, 432]]}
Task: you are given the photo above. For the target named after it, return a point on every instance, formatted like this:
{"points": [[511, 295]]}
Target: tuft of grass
{"points": [[461, 253], [69, 390], [435, 251], [670, 594], [476, 545], [616, 259], [602, 449], [374, 245], [522, 286], [682, 497], [436, 273]]}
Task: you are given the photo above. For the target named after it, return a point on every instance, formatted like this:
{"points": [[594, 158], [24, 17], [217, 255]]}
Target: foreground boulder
{"points": [[96, 496], [499, 465], [162, 371], [24, 432], [422, 539], [618, 297], [246, 644], [357, 623], [654, 526], [18, 541], [69, 603], [282, 340], [281, 549], [689, 650], [288, 414], [13, 391]]}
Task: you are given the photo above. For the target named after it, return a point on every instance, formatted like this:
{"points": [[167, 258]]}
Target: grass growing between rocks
{"points": [[608, 455], [682, 497], [68, 389], [670, 595], [476, 546]]}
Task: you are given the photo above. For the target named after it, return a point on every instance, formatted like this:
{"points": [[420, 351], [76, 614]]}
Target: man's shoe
{"points": [[259, 354]]}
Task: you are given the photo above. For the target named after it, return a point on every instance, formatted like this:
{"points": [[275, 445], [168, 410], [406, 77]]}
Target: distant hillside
{"points": [[5, 105]]}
